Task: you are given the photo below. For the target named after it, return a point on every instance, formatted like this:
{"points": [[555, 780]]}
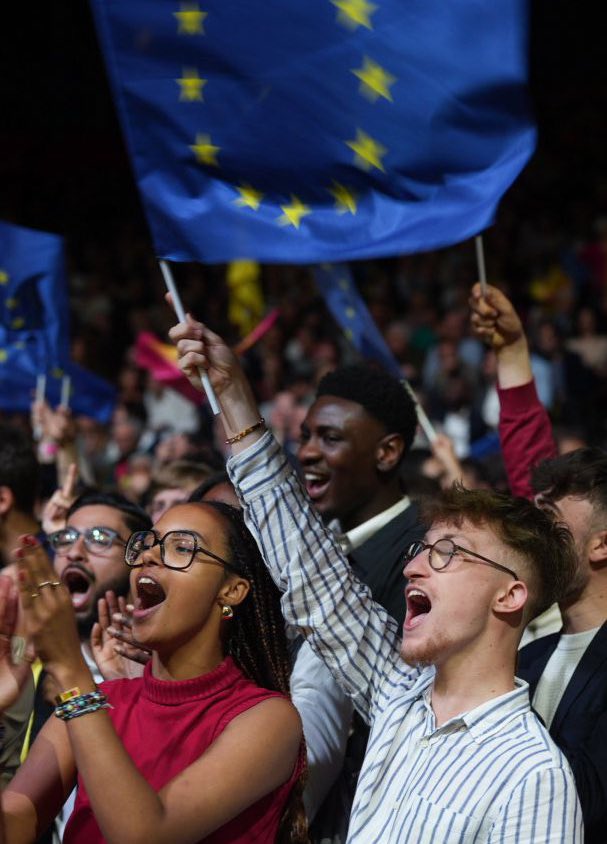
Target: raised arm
{"points": [[355, 637], [524, 425]]}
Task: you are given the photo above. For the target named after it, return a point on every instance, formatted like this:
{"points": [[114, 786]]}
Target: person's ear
{"points": [[7, 500], [511, 599], [389, 452], [233, 591], [597, 547]]}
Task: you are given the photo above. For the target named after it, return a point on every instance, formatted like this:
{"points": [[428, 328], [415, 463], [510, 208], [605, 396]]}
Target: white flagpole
{"points": [[204, 377], [66, 383], [480, 263], [39, 397], [424, 423]]}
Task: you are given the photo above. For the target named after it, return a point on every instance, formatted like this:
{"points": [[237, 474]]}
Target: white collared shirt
{"points": [[490, 775]]}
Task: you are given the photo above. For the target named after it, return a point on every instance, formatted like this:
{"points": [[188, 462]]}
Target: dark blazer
{"points": [[379, 561], [579, 726]]}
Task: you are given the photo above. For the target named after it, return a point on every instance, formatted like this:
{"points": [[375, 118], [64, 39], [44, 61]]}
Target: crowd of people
{"points": [[297, 623]]}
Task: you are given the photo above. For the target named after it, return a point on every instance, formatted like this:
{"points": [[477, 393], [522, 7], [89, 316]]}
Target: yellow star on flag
{"points": [[11, 302], [3, 355], [249, 197], [17, 323], [190, 17], [368, 151], [205, 150], [350, 313], [375, 81], [191, 85], [349, 334], [354, 13], [293, 213], [345, 199], [344, 283], [3, 277], [57, 372]]}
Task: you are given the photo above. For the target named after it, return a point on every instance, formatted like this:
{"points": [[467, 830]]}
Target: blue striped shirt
{"points": [[489, 775]]}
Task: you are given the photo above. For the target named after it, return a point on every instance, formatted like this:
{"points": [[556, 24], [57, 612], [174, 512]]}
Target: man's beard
{"points": [[119, 586], [425, 653]]}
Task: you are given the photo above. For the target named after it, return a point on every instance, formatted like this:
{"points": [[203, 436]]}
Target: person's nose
{"points": [[308, 451], [418, 566], [151, 556], [78, 550]]}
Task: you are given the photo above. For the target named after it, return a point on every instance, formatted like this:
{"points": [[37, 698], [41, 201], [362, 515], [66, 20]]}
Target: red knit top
{"points": [[165, 726]]}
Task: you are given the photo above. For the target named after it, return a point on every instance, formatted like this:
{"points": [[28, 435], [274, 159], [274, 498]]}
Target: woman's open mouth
{"points": [[149, 596], [419, 606]]}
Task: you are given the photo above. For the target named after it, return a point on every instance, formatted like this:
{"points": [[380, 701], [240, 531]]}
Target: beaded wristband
{"points": [[82, 705], [261, 423], [94, 707]]}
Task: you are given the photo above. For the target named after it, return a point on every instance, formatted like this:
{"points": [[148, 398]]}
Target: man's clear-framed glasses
{"points": [[442, 551], [97, 540], [177, 549]]}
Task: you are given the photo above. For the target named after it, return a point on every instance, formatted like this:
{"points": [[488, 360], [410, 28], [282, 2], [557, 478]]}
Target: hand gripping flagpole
{"points": [[204, 377]]}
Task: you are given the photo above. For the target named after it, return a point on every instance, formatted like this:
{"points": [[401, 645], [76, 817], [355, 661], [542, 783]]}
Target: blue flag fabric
{"points": [[89, 395], [34, 327], [337, 287], [34, 308], [320, 131]]}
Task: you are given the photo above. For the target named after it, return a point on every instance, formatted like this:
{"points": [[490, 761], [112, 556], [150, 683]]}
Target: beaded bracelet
{"points": [[261, 423], [82, 705]]}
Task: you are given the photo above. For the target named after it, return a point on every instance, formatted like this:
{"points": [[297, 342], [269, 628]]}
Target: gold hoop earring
{"points": [[226, 613]]}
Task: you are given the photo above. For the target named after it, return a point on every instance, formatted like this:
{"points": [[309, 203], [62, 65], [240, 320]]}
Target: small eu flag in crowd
{"points": [[335, 283], [34, 313], [327, 130], [34, 327]]}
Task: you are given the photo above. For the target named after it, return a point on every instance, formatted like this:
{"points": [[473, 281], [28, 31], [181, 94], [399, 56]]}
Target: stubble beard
{"points": [[425, 653]]}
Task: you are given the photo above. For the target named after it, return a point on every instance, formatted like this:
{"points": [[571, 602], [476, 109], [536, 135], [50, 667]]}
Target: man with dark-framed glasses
{"points": [[89, 551], [455, 752]]}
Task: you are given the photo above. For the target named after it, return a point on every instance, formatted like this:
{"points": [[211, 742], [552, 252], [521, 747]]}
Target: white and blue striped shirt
{"points": [[489, 775]]}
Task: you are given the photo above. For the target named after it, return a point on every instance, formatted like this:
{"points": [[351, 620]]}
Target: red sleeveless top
{"points": [[165, 726]]}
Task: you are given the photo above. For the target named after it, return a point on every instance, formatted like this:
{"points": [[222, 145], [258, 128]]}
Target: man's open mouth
{"points": [[418, 607], [149, 595], [80, 587], [316, 483]]}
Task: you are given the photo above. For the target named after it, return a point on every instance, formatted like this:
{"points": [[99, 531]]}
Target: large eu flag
{"points": [[322, 130]]}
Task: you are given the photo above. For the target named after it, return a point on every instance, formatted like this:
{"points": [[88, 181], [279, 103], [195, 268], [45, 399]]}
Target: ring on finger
{"points": [[52, 583]]}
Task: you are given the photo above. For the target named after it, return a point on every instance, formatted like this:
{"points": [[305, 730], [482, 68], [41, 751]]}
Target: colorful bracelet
{"points": [[261, 423], [81, 704]]}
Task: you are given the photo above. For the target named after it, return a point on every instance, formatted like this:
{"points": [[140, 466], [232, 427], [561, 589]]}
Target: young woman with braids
{"points": [[206, 746]]}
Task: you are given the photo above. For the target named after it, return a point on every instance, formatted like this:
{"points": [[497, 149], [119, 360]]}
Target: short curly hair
{"points": [[544, 545], [582, 473], [382, 396]]}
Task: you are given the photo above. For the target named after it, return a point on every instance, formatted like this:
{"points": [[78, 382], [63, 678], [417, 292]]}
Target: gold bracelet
{"points": [[261, 423]]}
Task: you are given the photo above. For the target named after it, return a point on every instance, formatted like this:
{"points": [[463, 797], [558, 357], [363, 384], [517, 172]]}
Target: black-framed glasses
{"points": [[97, 540], [442, 552], [177, 549]]}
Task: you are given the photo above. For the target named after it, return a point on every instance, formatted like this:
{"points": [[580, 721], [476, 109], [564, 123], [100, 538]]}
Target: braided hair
{"points": [[258, 644]]}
